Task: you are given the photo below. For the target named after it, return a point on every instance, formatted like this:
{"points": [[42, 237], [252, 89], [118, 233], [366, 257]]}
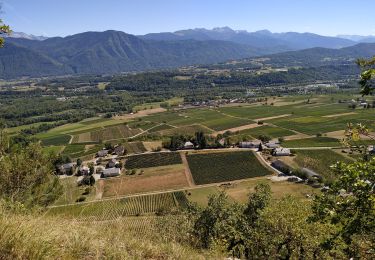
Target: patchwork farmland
{"points": [[108, 133], [320, 161]]}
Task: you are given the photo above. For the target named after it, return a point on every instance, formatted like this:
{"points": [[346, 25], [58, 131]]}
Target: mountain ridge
{"points": [[111, 52]]}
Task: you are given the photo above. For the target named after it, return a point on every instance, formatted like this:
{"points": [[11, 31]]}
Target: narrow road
{"points": [[315, 148], [265, 163], [189, 176]]}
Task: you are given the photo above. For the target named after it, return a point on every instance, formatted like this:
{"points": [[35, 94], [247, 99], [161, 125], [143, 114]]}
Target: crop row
{"points": [[225, 166], [114, 209], [152, 160]]}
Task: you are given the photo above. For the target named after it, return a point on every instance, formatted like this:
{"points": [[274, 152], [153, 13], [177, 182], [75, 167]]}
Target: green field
{"points": [[273, 132], [320, 161], [112, 209], [121, 131], [210, 118], [56, 140], [53, 149], [79, 150], [313, 142], [224, 166], [74, 148], [144, 125], [72, 191], [185, 130], [134, 147], [160, 128], [152, 160]]}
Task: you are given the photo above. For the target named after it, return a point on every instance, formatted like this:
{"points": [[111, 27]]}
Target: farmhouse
{"points": [[66, 168], [272, 144], [188, 145], [281, 151], [110, 172], [119, 150], [102, 153], [112, 163], [252, 144], [84, 170]]}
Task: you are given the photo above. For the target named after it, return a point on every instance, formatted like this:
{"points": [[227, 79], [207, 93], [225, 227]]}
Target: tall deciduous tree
{"points": [[350, 206], [26, 176], [367, 75], [4, 29]]}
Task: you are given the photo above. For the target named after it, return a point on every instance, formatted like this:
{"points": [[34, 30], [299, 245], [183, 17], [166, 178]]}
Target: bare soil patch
{"points": [[141, 113], [240, 128], [341, 114], [151, 146], [153, 179], [271, 117]]}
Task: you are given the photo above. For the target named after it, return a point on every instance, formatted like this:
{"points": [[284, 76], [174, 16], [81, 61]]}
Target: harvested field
{"points": [[239, 128], [152, 179], [151, 146], [141, 113]]}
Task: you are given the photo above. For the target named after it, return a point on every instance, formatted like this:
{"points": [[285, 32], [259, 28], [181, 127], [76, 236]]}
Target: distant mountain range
{"points": [[26, 36], [112, 52], [358, 38], [260, 39]]}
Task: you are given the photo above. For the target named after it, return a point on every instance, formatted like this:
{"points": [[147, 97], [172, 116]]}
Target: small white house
{"points": [[110, 172], [281, 151], [252, 144], [272, 144], [188, 145]]}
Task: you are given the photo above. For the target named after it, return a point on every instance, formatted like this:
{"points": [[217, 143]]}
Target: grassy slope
{"points": [[41, 237], [319, 161], [313, 142]]}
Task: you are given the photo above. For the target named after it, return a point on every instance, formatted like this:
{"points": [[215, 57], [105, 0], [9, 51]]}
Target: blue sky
{"points": [[66, 17]]}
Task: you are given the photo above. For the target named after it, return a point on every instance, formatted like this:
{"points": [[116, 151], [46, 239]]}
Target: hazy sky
{"points": [[66, 17]]}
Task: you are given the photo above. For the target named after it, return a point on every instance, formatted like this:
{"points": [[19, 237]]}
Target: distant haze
{"points": [[68, 17]]}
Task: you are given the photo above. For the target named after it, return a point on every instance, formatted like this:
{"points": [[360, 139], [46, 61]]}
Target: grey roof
{"points": [[119, 149], [250, 144], [111, 172], [281, 150], [103, 152], [67, 166]]}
